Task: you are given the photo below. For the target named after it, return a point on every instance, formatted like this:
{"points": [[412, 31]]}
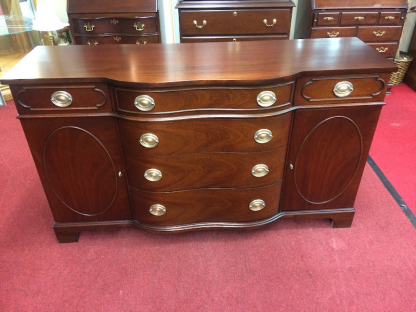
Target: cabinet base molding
{"points": [[69, 232]]}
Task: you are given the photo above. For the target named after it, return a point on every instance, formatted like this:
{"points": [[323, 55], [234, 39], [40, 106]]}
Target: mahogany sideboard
{"points": [[97, 22], [192, 136], [236, 20]]}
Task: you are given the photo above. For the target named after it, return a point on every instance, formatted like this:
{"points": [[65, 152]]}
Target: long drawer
{"points": [[151, 139], [209, 205], [236, 38], [379, 33], [223, 22], [118, 39], [141, 24], [206, 170]]}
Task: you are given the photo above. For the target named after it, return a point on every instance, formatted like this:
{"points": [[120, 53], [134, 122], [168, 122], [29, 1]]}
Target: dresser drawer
{"points": [[359, 18], [90, 26], [343, 89], [203, 135], [159, 101], [327, 19], [87, 98], [390, 18], [227, 22], [332, 32], [205, 170], [387, 49], [209, 205], [232, 38], [379, 33], [117, 39]]}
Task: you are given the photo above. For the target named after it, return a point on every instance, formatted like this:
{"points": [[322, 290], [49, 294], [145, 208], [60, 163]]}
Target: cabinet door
{"points": [[327, 155], [80, 166]]}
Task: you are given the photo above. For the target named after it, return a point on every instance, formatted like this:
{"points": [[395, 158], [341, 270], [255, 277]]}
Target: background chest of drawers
{"points": [[378, 23], [234, 20], [113, 22], [236, 141]]}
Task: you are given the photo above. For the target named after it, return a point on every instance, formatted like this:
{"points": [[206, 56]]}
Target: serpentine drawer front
{"points": [[182, 137]]}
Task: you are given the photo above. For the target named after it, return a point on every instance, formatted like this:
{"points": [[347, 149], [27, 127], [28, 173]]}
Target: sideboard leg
{"points": [[66, 237], [342, 220]]}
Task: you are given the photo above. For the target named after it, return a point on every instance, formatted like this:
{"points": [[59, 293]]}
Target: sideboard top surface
{"points": [[111, 6], [374, 4], [213, 63], [208, 4]]}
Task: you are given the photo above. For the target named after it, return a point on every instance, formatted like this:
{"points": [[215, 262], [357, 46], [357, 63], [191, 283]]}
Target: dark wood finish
{"points": [[114, 22], [410, 77], [333, 4], [234, 20], [91, 163]]}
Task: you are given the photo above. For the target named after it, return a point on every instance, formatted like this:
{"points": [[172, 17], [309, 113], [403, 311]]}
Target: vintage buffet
{"points": [[181, 137]]}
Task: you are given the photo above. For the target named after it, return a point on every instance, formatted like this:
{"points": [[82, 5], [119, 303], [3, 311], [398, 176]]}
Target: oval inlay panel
{"points": [[334, 146], [76, 162]]}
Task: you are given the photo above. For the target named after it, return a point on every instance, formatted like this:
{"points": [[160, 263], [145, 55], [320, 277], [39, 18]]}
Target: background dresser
{"points": [[234, 20], [195, 136], [112, 22]]}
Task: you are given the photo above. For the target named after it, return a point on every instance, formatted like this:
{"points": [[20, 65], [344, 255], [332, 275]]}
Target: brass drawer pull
{"points": [[257, 205], [61, 98], [382, 49], [343, 89], [92, 42], [333, 34], [359, 18], [379, 33], [234, 14], [139, 26], [266, 98], [204, 22], [234, 40], [117, 38], [260, 170], [389, 18], [263, 136], [149, 140], [265, 22], [157, 210], [114, 21], [328, 18], [144, 103], [141, 41], [89, 27], [153, 175]]}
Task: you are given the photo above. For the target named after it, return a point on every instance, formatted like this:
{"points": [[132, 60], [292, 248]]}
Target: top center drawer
{"points": [[222, 22], [359, 18]]}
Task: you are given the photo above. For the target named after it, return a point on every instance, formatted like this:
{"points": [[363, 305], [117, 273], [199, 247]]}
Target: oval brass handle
{"points": [[153, 175], [92, 42], [382, 49], [263, 136], [359, 18], [328, 18], [149, 140], [234, 40], [144, 103], [139, 26], [333, 34], [260, 170], [204, 22], [61, 98], [117, 38], [379, 33], [343, 88], [389, 18], [141, 41], [265, 22], [157, 210], [266, 98], [89, 27], [257, 204]]}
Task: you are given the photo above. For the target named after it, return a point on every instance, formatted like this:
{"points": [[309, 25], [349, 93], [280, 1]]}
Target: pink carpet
{"points": [[286, 266]]}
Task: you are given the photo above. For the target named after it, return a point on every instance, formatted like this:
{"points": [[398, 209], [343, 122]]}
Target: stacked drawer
{"points": [[93, 29], [196, 156], [234, 21], [381, 29]]}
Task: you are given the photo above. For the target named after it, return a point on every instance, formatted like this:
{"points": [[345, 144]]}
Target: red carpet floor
{"points": [[286, 266], [394, 144]]}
